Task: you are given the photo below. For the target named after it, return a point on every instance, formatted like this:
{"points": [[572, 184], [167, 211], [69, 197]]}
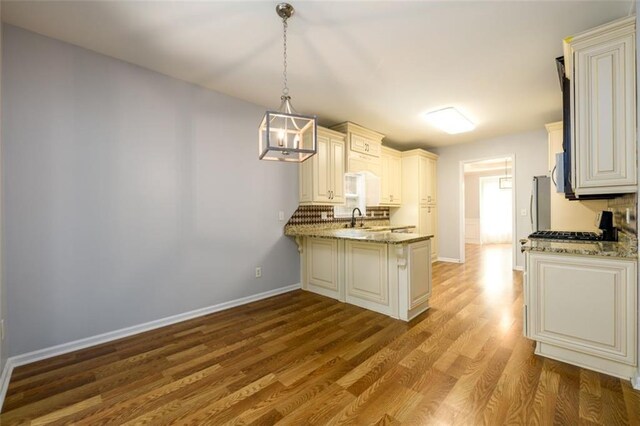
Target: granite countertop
{"points": [[373, 234], [625, 248]]}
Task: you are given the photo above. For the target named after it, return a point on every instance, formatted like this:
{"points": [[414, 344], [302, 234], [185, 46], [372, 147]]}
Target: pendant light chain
{"points": [[285, 89]]}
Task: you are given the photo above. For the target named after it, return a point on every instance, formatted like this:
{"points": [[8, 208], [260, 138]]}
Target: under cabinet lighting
{"points": [[449, 120]]}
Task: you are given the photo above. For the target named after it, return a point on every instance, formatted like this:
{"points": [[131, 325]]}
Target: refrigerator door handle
{"points": [[531, 211]]}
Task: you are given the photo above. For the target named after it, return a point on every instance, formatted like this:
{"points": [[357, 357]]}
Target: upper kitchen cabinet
{"points": [[419, 194], [364, 147], [391, 179], [602, 69], [322, 176]]}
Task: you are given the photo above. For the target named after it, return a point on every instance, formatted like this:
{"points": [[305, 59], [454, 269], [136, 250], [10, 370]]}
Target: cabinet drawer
{"points": [[365, 145]]}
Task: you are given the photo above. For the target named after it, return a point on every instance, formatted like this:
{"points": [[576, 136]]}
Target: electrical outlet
{"points": [[323, 215], [1, 329], [258, 272], [281, 215]]}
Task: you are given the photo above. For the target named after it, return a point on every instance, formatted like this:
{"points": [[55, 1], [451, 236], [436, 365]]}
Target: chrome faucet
{"points": [[353, 216]]}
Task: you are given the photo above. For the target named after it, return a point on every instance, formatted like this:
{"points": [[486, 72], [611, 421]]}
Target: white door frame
{"points": [[514, 217]]}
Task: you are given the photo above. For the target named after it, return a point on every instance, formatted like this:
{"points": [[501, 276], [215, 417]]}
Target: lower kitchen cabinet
{"points": [[366, 276], [582, 310], [413, 264], [321, 268], [393, 279]]}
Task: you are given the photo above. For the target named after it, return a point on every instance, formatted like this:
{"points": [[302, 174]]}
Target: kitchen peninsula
{"points": [[374, 268]]}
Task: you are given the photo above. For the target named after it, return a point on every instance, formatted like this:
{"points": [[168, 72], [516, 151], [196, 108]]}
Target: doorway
{"points": [[488, 204]]}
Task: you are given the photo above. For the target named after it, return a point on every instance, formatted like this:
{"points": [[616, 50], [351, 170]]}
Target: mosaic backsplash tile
{"points": [[619, 206], [310, 215]]}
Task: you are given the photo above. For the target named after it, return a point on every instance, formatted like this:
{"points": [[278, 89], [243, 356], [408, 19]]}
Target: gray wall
{"points": [[129, 196], [530, 150]]}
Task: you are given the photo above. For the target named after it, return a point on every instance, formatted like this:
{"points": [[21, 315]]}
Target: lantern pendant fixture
{"points": [[285, 135], [505, 182]]}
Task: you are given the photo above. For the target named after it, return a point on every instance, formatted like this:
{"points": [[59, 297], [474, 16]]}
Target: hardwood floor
{"points": [[300, 358]]}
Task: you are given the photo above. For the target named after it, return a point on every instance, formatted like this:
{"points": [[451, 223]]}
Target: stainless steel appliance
{"points": [[566, 235], [540, 203]]}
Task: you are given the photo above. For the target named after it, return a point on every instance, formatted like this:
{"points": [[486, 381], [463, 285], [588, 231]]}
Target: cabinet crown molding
{"points": [[613, 28], [349, 127], [420, 152], [551, 127]]}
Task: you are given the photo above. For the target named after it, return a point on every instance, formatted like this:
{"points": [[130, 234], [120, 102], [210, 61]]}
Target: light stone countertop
{"points": [[625, 248], [374, 234]]}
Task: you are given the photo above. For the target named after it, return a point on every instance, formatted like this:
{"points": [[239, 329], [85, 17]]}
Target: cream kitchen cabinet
{"points": [[391, 178], [383, 276], [428, 224], [419, 183], [322, 176], [322, 267], [428, 176], [414, 278], [602, 69], [364, 147], [582, 310], [366, 277]]}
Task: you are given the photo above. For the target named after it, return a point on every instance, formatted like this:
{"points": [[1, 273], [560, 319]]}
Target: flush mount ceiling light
{"points": [[285, 135], [449, 120]]}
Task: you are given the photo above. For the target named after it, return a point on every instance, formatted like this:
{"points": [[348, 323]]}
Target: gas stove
{"points": [[567, 235]]}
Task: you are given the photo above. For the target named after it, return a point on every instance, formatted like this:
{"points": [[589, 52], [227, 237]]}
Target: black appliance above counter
{"points": [[604, 221]]}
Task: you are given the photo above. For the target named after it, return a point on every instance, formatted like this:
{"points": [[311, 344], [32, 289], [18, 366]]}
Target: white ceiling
{"points": [[379, 64]]}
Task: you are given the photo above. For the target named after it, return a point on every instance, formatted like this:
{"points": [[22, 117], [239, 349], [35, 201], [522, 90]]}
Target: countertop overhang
{"points": [[374, 234]]}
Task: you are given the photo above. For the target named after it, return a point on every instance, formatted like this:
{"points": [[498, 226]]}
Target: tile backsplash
{"points": [[311, 215], [619, 206]]}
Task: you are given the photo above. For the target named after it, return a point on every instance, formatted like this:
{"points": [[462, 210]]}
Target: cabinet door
{"points": [[419, 266], [423, 179], [604, 105], [431, 181], [428, 224], [385, 178], [432, 228], [337, 170], [367, 284], [584, 304], [322, 267], [322, 171], [395, 181]]}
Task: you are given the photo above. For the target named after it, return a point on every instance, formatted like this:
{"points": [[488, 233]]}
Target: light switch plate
{"points": [[281, 215]]}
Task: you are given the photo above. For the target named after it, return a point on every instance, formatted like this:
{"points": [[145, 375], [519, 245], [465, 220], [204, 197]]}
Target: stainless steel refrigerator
{"points": [[540, 204]]}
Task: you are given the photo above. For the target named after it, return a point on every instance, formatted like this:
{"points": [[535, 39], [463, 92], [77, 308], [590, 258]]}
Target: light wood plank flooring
{"points": [[300, 359]]}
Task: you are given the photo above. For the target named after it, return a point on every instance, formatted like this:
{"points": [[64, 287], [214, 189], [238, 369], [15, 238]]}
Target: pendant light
{"points": [[285, 135], [505, 182]]}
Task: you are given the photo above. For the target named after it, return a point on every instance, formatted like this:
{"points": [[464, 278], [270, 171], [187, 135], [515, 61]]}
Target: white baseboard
{"points": [[635, 381], [5, 377], [448, 259], [64, 348]]}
